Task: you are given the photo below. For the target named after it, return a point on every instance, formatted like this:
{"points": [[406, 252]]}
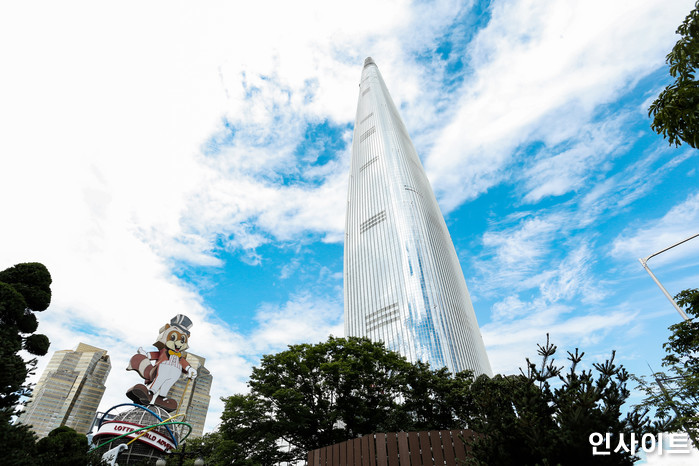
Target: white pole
{"points": [[662, 288], [657, 282]]}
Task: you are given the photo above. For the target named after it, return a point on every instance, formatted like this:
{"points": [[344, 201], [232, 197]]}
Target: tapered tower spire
{"points": [[403, 281]]}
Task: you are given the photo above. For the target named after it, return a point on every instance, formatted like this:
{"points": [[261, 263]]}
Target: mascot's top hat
{"points": [[180, 322]]}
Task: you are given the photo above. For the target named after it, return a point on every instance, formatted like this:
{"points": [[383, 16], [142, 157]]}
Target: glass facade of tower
{"points": [[403, 281], [69, 391], [193, 395]]}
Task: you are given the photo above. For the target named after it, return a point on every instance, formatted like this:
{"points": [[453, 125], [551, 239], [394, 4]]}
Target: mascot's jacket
{"points": [[167, 369]]}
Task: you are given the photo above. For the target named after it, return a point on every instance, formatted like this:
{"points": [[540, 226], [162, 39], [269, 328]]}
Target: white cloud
{"points": [[508, 344], [679, 223], [515, 253], [303, 319], [523, 244], [558, 171], [553, 249], [105, 112], [559, 288], [541, 69]]}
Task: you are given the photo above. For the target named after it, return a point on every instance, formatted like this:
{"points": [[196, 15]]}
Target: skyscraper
{"points": [[69, 391], [194, 395], [403, 281]]}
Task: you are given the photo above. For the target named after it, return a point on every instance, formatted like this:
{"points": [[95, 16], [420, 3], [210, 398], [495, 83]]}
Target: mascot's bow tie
{"points": [[172, 353]]}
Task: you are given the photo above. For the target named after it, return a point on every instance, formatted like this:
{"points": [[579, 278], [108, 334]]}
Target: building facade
{"points": [[403, 280], [69, 391], [194, 395]]}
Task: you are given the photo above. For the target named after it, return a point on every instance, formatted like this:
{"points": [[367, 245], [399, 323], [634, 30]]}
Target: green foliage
{"points": [[316, 395], [63, 446], [223, 448], [311, 396], [24, 289], [676, 110], [37, 344], [27, 323], [211, 446], [436, 399], [33, 281], [677, 401], [17, 442], [545, 416], [248, 433]]}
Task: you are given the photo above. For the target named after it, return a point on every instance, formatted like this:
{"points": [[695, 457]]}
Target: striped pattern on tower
{"points": [[403, 281]]}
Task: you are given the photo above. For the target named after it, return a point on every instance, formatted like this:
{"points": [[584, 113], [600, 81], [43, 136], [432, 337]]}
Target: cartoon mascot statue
{"points": [[170, 363]]}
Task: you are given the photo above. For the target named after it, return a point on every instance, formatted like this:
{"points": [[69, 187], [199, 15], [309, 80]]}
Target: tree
{"points": [[436, 399], [311, 396], [676, 110], [63, 446], [24, 289], [245, 435], [17, 442], [676, 396], [526, 419]]}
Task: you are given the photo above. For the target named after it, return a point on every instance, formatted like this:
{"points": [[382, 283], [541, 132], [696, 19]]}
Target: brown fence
{"points": [[437, 448]]}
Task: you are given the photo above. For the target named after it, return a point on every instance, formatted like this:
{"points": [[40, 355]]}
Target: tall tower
{"points": [[69, 391], [194, 395], [403, 281]]}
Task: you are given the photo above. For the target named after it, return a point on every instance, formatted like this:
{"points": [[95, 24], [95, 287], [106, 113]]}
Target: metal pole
{"points": [[662, 288], [657, 282], [670, 247]]}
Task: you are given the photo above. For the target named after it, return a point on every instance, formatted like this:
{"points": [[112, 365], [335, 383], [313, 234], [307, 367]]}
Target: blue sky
{"points": [[171, 158]]}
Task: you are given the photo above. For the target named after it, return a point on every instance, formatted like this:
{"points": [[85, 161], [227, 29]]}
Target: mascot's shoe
{"points": [[139, 394], [168, 404]]}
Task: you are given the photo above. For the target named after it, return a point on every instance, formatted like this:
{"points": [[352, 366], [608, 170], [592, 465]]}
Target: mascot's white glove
{"points": [[142, 351], [191, 372]]}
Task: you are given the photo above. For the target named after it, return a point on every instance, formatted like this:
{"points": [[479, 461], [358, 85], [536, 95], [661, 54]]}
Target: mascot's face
{"points": [[176, 341], [172, 338]]}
